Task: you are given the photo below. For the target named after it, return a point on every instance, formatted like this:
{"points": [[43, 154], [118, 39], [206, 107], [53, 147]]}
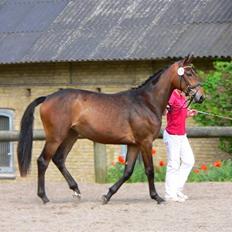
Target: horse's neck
{"points": [[157, 95], [166, 93]]}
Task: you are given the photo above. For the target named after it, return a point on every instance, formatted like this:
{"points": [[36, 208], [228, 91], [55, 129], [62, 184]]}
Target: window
{"points": [[6, 148]]}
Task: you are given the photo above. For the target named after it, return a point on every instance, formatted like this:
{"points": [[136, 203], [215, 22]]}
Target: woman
{"points": [[180, 158]]}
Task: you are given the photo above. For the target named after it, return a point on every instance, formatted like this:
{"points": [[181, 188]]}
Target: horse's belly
{"points": [[105, 135]]}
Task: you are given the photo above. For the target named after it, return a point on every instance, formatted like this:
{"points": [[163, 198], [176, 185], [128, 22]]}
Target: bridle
{"points": [[190, 90]]}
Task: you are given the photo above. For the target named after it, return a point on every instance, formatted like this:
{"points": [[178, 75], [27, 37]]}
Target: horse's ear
{"points": [[187, 60], [190, 58]]}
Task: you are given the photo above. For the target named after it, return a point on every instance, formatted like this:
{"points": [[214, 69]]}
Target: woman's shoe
{"points": [[183, 196], [174, 199]]}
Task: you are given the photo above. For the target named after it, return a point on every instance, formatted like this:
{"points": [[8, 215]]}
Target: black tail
{"points": [[26, 137]]}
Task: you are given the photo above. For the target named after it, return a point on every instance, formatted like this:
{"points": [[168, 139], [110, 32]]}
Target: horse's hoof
{"points": [[45, 200], [77, 195], [43, 197], [160, 201], [104, 200]]}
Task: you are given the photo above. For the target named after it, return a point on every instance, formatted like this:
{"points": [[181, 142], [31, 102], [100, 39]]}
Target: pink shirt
{"points": [[177, 114]]}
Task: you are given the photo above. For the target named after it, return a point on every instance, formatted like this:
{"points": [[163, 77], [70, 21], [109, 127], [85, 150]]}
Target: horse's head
{"points": [[187, 80]]}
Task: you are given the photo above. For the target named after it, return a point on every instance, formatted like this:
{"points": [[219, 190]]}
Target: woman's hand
{"points": [[192, 112]]}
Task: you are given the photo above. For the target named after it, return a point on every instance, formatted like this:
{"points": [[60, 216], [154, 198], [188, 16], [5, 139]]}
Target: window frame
{"points": [[8, 172]]}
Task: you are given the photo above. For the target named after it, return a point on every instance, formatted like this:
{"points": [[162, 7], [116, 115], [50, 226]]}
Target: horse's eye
{"points": [[188, 74]]}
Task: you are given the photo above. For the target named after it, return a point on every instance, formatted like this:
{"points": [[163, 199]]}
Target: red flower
{"points": [[204, 167], [196, 171], [113, 163], [121, 159], [217, 164], [161, 163], [153, 151]]}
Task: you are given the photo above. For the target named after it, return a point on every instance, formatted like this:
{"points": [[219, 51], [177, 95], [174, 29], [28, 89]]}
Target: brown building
{"points": [[100, 45]]}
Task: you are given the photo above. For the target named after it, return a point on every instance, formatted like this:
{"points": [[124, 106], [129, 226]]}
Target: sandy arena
{"points": [[208, 209]]}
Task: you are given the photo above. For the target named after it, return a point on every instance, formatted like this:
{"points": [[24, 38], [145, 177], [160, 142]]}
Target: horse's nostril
{"points": [[202, 98]]}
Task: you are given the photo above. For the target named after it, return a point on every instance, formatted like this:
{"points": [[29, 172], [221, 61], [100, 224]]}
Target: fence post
{"points": [[100, 162]]}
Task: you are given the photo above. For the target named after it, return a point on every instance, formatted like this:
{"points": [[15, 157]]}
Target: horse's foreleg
{"points": [[60, 157], [149, 170], [132, 153]]}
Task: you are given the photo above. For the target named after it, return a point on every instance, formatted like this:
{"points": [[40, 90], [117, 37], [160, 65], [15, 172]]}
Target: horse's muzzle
{"points": [[198, 98]]}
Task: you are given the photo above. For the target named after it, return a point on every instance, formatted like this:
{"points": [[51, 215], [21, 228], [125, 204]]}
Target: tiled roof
{"points": [[77, 30]]}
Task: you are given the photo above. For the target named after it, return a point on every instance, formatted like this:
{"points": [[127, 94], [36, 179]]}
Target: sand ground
{"points": [[208, 209]]}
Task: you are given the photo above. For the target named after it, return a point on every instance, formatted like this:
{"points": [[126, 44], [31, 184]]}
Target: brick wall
{"points": [[22, 83]]}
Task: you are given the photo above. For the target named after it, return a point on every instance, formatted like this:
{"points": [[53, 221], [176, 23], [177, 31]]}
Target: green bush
{"points": [[115, 172], [218, 171], [218, 88]]}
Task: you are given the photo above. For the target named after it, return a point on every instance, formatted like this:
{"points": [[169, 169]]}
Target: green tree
{"points": [[218, 88]]}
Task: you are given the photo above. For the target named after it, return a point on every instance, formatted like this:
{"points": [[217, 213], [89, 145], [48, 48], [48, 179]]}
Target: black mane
{"points": [[154, 78]]}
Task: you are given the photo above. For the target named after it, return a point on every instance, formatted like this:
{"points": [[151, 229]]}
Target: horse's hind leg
{"points": [[42, 162], [132, 153], [60, 157]]}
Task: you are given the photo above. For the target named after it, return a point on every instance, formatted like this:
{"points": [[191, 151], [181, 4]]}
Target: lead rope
{"points": [[214, 115], [206, 113]]}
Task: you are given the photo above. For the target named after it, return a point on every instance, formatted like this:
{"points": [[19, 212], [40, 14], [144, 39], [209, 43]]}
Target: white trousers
{"points": [[180, 160]]}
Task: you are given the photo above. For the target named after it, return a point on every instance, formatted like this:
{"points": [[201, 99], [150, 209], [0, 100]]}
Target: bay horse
{"points": [[131, 117]]}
